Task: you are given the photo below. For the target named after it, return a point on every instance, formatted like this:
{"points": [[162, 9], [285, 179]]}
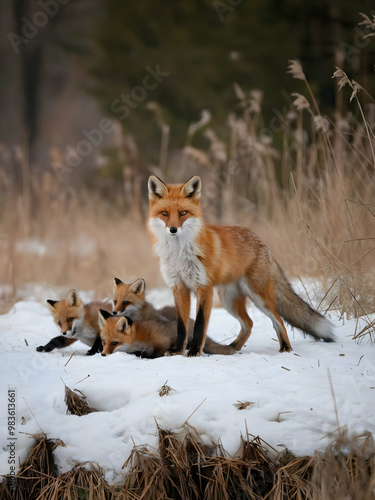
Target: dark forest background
{"points": [[66, 65]]}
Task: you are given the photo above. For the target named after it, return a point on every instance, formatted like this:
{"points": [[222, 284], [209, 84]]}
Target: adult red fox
{"points": [[195, 256], [77, 321], [150, 338]]}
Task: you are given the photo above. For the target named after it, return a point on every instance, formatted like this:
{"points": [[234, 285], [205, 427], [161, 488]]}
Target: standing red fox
{"points": [[195, 256]]}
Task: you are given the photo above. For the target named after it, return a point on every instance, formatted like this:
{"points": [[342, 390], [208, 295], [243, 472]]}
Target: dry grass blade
{"points": [[293, 479], [165, 389], [76, 403], [368, 23], [295, 69], [255, 101], [204, 120], [343, 78], [38, 470], [260, 469], [78, 484], [347, 468], [176, 457], [300, 101], [6, 490], [242, 405], [369, 329], [148, 478]]}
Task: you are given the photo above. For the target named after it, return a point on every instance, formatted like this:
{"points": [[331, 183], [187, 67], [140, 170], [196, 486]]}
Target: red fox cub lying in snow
{"points": [[77, 321], [149, 338], [145, 331]]}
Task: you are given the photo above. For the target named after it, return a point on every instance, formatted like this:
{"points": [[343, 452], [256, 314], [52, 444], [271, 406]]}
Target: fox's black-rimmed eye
{"points": [[103, 342], [183, 213], [70, 320], [114, 343], [59, 323], [164, 213], [125, 303], [115, 302]]}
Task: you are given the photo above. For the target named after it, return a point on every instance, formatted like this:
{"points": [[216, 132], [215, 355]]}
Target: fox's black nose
{"points": [[173, 230], [114, 313], [103, 354], [64, 333]]}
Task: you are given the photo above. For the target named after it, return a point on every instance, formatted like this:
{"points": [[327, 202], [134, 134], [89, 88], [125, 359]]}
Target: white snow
{"points": [[292, 403]]}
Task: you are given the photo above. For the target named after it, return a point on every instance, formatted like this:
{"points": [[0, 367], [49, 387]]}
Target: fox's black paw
{"points": [[91, 353], [172, 352], [285, 348], [43, 348], [193, 352]]}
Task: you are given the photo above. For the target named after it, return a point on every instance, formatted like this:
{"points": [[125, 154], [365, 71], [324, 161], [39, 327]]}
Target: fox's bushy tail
{"points": [[297, 312], [212, 347]]}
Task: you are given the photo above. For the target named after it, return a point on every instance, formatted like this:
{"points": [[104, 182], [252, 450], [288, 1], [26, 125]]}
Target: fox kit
{"points": [[77, 321], [130, 299], [195, 256], [149, 338]]}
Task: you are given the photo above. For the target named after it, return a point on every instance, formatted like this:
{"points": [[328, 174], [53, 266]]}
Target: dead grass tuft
{"points": [[38, 470], [185, 466], [76, 403], [165, 390], [84, 482], [242, 405]]}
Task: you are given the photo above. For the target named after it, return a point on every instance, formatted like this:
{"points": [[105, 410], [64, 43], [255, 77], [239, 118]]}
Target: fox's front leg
{"points": [[55, 343], [182, 303], [204, 306], [96, 347]]}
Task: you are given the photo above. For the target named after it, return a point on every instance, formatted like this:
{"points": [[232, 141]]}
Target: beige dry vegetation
{"points": [[185, 467], [304, 182], [69, 238]]}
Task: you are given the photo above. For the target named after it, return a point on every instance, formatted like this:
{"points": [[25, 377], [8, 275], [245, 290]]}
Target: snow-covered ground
{"points": [[292, 401]]}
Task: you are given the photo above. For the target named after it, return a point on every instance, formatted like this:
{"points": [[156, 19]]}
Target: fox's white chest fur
{"points": [[82, 331], [179, 252]]}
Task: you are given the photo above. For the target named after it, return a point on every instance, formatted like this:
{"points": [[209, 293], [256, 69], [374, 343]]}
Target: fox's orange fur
{"points": [[130, 300], [195, 256], [148, 338], [77, 321]]}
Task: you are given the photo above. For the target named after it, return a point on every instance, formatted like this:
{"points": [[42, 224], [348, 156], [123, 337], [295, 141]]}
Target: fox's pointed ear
{"points": [[123, 323], [72, 299], [51, 304], [102, 317], [192, 188], [156, 188], [138, 287], [116, 283]]}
